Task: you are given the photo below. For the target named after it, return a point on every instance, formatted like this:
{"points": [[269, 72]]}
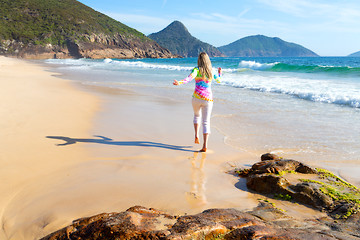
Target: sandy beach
{"points": [[72, 151], [35, 104]]}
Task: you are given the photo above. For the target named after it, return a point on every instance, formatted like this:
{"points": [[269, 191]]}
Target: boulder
{"points": [[281, 165], [269, 156], [317, 188], [266, 183], [135, 223]]}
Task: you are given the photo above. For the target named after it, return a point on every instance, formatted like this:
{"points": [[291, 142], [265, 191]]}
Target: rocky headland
{"points": [[274, 178], [69, 29], [96, 46]]}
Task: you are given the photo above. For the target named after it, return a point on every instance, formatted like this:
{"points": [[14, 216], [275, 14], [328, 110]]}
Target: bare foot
{"points": [[202, 150], [197, 140]]}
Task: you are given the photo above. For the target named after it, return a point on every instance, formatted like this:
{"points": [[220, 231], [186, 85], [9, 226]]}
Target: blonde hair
{"points": [[204, 65]]}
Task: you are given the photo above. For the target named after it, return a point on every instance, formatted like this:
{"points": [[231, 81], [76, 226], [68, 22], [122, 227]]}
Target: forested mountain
{"points": [[262, 46], [178, 40]]}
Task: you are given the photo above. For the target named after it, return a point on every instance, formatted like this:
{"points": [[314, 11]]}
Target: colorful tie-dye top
{"points": [[202, 84]]}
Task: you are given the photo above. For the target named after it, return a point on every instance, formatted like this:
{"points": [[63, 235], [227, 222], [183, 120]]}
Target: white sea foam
{"points": [[113, 64], [255, 65], [107, 60], [120, 64], [307, 89], [67, 61], [139, 64]]}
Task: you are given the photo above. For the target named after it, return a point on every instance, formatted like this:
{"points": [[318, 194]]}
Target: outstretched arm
{"points": [[218, 77], [192, 75]]}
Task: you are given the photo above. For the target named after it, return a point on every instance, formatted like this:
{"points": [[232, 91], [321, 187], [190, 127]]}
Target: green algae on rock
{"points": [[294, 181]]}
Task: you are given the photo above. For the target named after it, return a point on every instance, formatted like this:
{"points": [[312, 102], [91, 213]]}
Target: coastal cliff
{"points": [[69, 29], [95, 46]]}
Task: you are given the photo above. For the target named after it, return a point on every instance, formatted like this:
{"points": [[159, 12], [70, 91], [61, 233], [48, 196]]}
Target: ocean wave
{"points": [[108, 60], [69, 61], [306, 89], [282, 67], [255, 65], [113, 64], [140, 64], [285, 67]]}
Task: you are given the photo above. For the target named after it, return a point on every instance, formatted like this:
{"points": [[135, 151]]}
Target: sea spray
{"points": [[255, 65]]}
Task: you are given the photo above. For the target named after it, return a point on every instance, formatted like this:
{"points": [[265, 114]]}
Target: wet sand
{"points": [[75, 151]]}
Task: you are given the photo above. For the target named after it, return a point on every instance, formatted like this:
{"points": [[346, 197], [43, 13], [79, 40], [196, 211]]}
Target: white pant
{"points": [[202, 110]]}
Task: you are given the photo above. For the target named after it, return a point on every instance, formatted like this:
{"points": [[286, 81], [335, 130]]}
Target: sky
{"points": [[327, 27]]}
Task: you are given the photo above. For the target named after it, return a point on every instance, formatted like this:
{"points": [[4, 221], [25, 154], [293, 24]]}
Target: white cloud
{"points": [[203, 16], [319, 18], [223, 17], [219, 16], [329, 10], [299, 8], [245, 11], [142, 23], [164, 3]]}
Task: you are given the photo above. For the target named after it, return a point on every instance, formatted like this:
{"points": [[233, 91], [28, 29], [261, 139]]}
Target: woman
{"points": [[202, 98]]}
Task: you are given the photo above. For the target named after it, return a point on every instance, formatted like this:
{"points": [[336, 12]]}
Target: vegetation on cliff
{"points": [[51, 25], [53, 21], [262, 46], [178, 40]]}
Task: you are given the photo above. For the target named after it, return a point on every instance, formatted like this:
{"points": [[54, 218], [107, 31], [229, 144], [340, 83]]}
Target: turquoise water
{"points": [[302, 108]]}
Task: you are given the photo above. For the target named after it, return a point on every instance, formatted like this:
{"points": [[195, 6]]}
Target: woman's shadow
{"points": [[109, 141]]}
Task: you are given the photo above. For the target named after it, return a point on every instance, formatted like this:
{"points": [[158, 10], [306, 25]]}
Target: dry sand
{"points": [[34, 104], [60, 161]]}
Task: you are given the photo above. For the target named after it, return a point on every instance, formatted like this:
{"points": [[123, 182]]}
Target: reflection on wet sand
{"points": [[196, 197]]}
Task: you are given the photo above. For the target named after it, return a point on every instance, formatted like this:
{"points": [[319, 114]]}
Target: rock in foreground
{"points": [[293, 180], [264, 222]]}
